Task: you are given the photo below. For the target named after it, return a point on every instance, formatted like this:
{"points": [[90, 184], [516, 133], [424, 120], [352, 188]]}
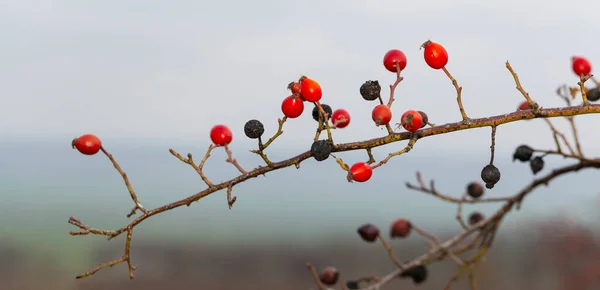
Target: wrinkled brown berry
{"points": [[523, 153], [316, 112], [329, 276], [425, 119], [352, 284], [370, 90], [536, 164], [490, 174], [400, 228], [254, 129], [475, 189], [417, 273], [368, 232], [475, 217], [320, 150]]}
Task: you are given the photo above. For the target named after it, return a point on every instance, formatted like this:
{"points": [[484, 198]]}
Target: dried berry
{"points": [[329, 276], [536, 164], [475, 189], [523, 153], [425, 118], [400, 228], [417, 273], [320, 150], [352, 284], [593, 94], [254, 129], [316, 111], [368, 232], [370, 90], [490, 175], [475, 217]]}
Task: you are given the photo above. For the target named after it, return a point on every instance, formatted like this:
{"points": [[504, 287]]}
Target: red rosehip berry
{"points": [[393, 59], [329, 276], [381, 115], [368, 232], [294, 87], [400, 228], [340, 118], [292, 106], [581, 66], [87, 144], [411, 120], [524, 106], [220, 135], [310, 90], [435, 54], [360, 172]]}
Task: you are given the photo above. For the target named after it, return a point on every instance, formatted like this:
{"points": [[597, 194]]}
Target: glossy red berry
{"points": [[340, 118], [381, 115], [292, 106], [393, 59], [411, 120], [220, 135], [368, 232], [87, 144], [329, 276], [360, 172], [524, 106], [400, 228], [581, 66], [310, 90], [435, 54]]}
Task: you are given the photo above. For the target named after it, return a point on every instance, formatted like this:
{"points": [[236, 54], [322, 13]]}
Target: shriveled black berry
{"points": [[536, 164], [417, 273], [523, 153], [320, 150], [352, 284], [475, 189], [593, 94], [490, 175], [475, 217], [316, 111], [368, 232], [370, 90], [254, 129], [425, 119]]}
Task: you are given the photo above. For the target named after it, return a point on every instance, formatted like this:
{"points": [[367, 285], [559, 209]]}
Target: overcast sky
{"points": [[169, 70]]}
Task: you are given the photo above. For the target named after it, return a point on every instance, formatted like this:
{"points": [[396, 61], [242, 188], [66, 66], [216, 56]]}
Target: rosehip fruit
{"points": [[310, 90], [425, 119], [292, 106], [411, 120], [523, 153], [340, 118], [294, 87], [536, 164], [329, 276], [475, 189], [490, 174], [320, 150], [593, 94], [254, 129], [87, 144], [370, 90], [581, 66], [475, 217], [316, 112], [435, 55], [400, 228], [368, 232], [524, 106], [418, 274], [221, 135], [381, 115], [360, 172], [394, 59]]}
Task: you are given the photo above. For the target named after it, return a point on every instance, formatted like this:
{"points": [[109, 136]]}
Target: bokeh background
{"points": [[147, 76]]}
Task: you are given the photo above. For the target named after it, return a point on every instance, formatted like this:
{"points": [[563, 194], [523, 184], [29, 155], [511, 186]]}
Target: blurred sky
{"points": [[149, 75]]}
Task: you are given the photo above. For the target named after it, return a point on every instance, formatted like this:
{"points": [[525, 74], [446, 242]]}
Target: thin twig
{"points": [[458, 95]]}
